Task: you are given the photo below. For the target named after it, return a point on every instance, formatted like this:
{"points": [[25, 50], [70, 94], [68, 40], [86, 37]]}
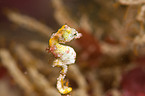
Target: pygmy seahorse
{"points": [[65, 55]]}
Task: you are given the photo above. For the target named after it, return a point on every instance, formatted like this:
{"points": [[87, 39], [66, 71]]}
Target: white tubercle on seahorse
{"points": [[65, 55]]}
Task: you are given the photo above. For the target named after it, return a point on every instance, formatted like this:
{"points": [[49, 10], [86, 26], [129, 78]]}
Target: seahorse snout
{"points": [[78, 35]]}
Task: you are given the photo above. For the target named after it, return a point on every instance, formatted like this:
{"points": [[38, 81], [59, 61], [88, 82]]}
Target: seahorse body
{"points": [[65, 55]]}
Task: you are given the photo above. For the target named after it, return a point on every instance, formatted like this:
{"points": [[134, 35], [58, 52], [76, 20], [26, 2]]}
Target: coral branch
{"points": [[28, 22], [141, 15], [35, 75], [61, 14], [80, 80], [13, 69], [131, 2]]}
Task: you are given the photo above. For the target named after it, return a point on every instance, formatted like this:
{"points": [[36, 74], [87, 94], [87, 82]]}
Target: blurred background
{"points": [[110, 54]]}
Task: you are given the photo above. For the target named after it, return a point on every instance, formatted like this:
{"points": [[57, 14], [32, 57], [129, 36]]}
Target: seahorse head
{"points": [[68, 34]]}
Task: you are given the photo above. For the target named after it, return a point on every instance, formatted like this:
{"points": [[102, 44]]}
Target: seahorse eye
{"points": [[75, 34]]}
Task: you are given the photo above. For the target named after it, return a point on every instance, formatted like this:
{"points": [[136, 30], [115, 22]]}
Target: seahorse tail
{"points": [[60, 85], [60, 80]]}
